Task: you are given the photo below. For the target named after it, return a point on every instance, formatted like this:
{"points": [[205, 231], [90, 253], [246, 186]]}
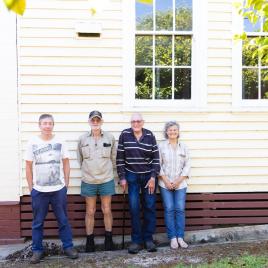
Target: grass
{"points": [[246, 261]]}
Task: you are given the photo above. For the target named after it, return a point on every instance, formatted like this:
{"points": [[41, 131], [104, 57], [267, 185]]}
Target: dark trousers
{"points": [[141, 232], [40, 204]]}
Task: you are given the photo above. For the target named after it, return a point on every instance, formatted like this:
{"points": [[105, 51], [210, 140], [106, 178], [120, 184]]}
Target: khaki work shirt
{"points": [[96, 158]]}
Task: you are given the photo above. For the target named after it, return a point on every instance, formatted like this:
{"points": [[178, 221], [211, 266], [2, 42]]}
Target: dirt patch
{"points": [[164, 257]]}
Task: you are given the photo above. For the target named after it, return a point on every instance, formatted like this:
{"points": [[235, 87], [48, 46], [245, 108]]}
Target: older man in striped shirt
{"points": [[137, 167]]}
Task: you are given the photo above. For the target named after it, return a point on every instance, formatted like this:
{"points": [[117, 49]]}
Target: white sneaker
{"points": [[174, 243], [182, 243]]}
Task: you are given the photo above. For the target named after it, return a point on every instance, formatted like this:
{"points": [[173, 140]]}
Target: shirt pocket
{"points": [[106, 151], [86, 151]]}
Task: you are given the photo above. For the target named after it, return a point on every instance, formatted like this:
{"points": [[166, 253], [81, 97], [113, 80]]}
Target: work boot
{"points": [[134, 248], [90, 245], [150, 246], [71, 253], [36, 258], [108, 242]]}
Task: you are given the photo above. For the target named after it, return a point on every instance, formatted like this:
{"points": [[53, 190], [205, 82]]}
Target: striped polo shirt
{"points": [[138, 156]]}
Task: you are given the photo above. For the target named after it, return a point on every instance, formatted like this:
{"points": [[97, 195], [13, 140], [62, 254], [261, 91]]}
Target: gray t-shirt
{"points": [[47, 158]]}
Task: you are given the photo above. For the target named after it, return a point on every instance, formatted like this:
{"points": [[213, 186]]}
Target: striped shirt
{"points": [[174, 162], [137, 156]]}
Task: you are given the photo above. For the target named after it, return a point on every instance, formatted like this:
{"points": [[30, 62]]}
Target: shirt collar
{"points": [[142, 135], [90, 133], [179, 144]]}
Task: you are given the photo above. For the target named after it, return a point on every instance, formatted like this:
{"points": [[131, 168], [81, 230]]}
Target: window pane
{"points": [[183, 46], [183, 15], [144, 50], [250, 83], [163, 83], [164, 15], [263, 56], [265, 25], [249, 27], [144, 83], [163, 50], [182, 83], [264, 84], [247, 59], [144, 16]]}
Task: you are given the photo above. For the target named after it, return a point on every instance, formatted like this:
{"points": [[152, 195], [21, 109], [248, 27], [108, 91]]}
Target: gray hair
{"points": [[168, 125]]}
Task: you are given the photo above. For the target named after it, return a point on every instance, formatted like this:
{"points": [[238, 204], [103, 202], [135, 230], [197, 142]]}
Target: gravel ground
{"points": [[164, 257]]}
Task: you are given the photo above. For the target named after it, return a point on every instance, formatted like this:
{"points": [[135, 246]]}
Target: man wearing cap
{"points": [[96, 154], [137, 167]]}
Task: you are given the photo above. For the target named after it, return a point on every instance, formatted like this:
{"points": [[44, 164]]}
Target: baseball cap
{"points": [[95, 114]]}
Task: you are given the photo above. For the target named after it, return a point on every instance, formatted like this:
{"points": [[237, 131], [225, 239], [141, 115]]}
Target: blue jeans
{"points": [[174, 207], [40, 204], [136, 183]]}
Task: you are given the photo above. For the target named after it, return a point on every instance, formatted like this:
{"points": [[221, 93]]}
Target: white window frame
{"points": [[240, 104], [199, 63]]}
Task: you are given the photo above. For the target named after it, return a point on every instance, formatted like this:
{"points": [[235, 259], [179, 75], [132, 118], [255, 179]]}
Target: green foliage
{"points": [[250, 83], [183, 50], [164, 20], [163, 50], [246, 261], [144, 80], [183, 19], [144, 50]]}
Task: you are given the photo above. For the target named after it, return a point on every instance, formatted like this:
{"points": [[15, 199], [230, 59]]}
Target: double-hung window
{"points": [[166, 62], [250, 69], [254, 68]]}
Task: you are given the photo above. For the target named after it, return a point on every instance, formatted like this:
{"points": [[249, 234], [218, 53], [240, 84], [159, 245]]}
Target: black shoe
{"points": [[90, 245], [134, 248], [36, 258], [71, 253], [150, 246], [108, 242]]}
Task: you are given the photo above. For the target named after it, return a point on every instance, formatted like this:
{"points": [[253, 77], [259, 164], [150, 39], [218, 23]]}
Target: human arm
{"points": [[155, 159], [79, 153], [66, 171], [162, 176], [29, 174], [120, 162], [113, 151], [185, 173], [66, 163]]}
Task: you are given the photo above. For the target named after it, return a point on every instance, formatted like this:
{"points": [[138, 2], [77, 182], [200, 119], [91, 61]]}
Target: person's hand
{"points": [[168, 184], [176, 183], [150, 185], [30, 186], [123, 184]]}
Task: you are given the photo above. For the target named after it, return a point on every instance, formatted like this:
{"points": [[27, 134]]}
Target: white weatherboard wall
{"points": [[69, 77], [9, 138]]}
